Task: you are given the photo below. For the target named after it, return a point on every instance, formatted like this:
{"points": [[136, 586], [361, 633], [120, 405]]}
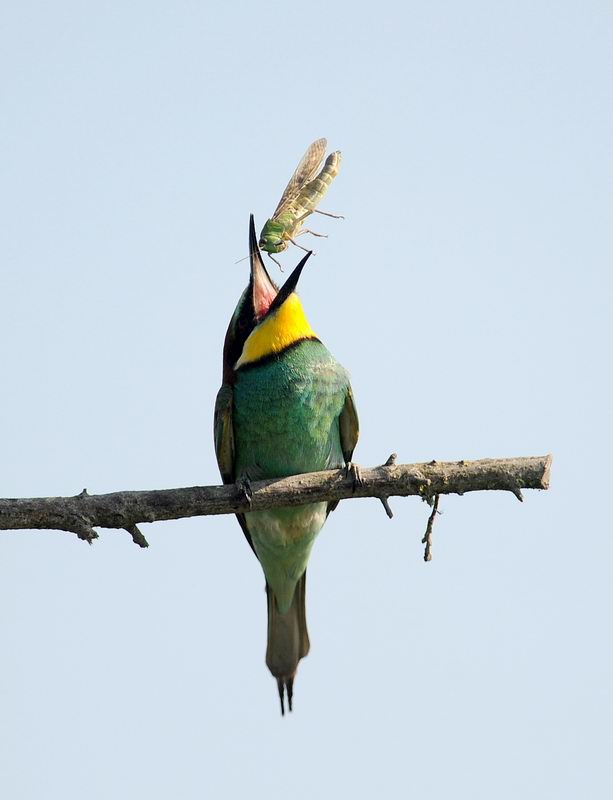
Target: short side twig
{"points": [[137, 536], [384, 500], [427, 540]]}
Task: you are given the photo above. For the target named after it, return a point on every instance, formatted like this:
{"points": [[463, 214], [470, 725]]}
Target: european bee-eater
{"points": [[285, 407]]}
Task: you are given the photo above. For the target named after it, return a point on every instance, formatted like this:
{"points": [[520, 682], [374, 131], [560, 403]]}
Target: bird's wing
{"points": [[223, 432], [349, 429], [305, 172], [349, 426]]}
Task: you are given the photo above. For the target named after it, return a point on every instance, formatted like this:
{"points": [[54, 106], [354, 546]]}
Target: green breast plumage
{"points": [[286, 421], [286, 412]]}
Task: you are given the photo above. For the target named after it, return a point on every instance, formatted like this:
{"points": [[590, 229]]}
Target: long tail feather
{"points": [[288, 641]]}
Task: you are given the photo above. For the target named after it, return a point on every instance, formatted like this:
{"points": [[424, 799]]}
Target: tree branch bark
{"points": [[82, 513]]}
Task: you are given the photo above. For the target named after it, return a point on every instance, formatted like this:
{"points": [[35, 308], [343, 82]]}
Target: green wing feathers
{"points": [[224, 434], [349, 427]]}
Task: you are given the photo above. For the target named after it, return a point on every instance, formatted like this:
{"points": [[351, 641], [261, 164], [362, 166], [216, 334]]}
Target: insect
{"points": [[300, 198]]}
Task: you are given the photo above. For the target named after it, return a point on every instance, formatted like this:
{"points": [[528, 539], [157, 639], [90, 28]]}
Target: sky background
{"points": [[468, 292]]}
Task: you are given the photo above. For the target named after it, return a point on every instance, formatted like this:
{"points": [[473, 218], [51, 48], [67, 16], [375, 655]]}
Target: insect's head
{"points": [[271, 238]]}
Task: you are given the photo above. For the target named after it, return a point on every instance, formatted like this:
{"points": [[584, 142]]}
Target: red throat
{"points": [[263, 295]]}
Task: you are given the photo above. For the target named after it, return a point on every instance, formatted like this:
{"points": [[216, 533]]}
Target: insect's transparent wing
{"points": [[305, 172]]}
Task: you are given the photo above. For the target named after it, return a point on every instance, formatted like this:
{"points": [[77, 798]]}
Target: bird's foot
{"points": [[354, 471], [244, 486]]}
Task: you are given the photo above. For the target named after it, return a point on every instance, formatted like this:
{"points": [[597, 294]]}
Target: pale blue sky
{"points": [[468, 292]]}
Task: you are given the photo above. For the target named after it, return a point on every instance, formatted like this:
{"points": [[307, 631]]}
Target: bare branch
{"points": [[125, 510]]}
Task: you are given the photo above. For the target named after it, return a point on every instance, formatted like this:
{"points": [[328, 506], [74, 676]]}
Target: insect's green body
{"points": [[301, 197]]}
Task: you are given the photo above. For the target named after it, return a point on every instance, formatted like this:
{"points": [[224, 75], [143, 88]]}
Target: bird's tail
{"points": [[288, 640]]}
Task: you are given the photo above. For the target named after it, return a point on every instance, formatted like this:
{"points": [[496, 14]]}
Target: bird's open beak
{"points": [[263, 289], [290, 285]]}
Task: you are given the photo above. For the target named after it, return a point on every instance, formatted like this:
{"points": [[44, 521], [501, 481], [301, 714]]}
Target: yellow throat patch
{"points": [[276, 333]]}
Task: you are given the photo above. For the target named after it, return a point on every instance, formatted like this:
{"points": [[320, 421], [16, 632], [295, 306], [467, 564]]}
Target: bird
{"points": [[285, 407]]}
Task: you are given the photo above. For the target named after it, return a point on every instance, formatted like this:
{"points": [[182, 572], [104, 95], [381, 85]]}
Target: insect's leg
{"points": [[275, 260], [306, 249], [327, 214], [320, 235]]}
